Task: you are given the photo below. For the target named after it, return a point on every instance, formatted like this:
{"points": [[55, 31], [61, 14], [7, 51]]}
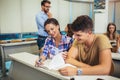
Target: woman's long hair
{"points": [[108, 32]]}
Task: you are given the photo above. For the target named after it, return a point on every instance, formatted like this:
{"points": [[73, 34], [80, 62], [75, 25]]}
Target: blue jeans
{"points": [[41, 41]]}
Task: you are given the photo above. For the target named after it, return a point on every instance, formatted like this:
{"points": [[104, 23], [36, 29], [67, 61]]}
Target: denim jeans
{"points": [[40, 42]]}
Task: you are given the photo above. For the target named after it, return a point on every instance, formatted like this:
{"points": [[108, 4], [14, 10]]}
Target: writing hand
{"points": [[38, 62]]}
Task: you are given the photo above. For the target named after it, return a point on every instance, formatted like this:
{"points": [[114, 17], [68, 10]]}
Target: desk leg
{"points": [[3, 61]]}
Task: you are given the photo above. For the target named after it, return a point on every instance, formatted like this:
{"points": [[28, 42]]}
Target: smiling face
{"points": [[52, 30], [81, 36]]}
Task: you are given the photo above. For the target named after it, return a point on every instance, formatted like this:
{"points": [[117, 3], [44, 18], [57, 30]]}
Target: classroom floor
{"points": [[8, 63], [3, 78]]}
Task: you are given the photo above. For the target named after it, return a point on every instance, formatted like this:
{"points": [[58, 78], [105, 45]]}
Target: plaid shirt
{"points": [[50, 48]]}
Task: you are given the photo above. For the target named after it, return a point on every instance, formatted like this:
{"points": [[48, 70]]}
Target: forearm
{"points": [[80, 64], [76, 63], [96, 70], [118, 42], [42, 57], [91, 70]]}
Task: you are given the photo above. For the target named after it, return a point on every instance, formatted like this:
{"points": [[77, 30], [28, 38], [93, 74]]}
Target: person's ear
{"points": [[42, 7], [90, 32], [58, 27]]}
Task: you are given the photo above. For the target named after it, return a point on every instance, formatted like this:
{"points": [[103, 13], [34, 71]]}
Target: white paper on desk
{"points": [[56, 63]]}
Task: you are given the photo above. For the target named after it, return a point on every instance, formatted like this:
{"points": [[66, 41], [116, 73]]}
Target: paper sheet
{"points": [[56, 63]]}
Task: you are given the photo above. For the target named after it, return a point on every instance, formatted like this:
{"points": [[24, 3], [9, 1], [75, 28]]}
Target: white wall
{"points": [[111, 16], [117, 17], [10, 16], [19, 15], [80, 9], [29, 8], [110, 11], [62, 12]]}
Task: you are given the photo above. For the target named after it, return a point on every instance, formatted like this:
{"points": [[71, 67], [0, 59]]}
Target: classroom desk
{"points": [[116, 56], [10, 48], [23, 69]]}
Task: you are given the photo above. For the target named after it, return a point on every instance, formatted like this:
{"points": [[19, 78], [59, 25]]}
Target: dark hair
{"points": [[108, 32], [82, 23], [109, 26], [45, 1], [51, 21], [69, 33]]}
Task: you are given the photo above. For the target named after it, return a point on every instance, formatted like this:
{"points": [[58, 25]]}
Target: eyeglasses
{"points": [[47, 6]]}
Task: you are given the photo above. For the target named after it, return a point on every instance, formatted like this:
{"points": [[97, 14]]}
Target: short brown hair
{"points": [[83, 22], [45, 1]]}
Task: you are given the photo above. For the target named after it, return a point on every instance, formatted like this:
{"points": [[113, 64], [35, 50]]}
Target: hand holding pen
{"points": [[39, 62]]}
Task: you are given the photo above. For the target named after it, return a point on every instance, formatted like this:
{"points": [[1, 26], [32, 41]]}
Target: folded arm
{"points": [[103, 68]]}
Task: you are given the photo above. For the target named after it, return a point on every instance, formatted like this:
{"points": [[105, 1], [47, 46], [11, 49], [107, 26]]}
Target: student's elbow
{"points": [[107, 70]]}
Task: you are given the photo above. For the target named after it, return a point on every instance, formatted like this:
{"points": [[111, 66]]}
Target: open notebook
{"points": [[56, 63]]}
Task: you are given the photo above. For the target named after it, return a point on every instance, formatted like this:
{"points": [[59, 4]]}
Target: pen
{"points": [[40, 59]]}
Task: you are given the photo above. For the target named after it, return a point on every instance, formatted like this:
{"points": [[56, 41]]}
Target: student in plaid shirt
{"points": [[55, 42]]}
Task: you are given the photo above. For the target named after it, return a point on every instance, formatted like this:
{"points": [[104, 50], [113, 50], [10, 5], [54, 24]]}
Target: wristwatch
{"points": [[79, 71]]}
